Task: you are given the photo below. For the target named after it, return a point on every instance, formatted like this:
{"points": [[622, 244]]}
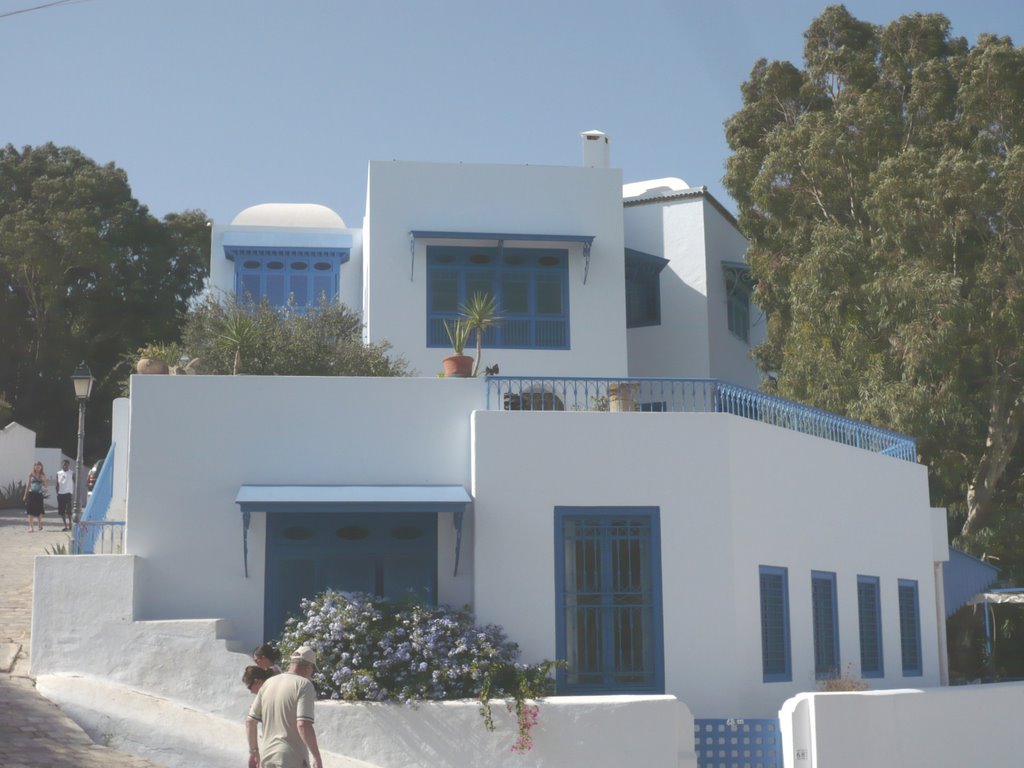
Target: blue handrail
{"points": [[94, 534], [538, 393]]}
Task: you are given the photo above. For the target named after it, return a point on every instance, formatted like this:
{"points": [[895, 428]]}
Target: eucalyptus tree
{"points": [[881, 186]]}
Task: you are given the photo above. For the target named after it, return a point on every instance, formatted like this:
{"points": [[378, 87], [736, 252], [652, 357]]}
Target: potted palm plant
{"points": [[458, 364], [479, 314]]}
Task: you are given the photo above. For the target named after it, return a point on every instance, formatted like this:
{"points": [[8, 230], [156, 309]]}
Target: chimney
{"points": [[596, 149]]}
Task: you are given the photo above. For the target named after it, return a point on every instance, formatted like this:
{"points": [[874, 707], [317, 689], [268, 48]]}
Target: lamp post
{"points": [[83, 381]]}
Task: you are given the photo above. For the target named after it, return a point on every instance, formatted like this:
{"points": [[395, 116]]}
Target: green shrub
{"points": [[12, 495]]}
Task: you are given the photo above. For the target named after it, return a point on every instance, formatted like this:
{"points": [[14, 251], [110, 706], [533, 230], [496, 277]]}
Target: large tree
{"points": [[85, 271], [881, 187]]}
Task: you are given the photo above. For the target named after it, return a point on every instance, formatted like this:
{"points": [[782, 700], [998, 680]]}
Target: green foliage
{"points": [[85, 272], [372, 649], [12, 495], [6, 411], [458, 334], [227, 338], [479, 314], [881, 187], [57, 549]]}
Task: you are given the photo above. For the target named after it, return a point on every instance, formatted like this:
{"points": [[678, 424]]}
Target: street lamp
{"points": [[83, 381]]}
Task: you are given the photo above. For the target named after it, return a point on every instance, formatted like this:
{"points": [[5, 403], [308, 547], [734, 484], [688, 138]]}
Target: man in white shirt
{"points": [[284, 705], [65, 487]]}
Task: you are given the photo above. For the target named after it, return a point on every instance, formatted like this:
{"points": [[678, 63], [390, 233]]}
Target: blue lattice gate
{"points": [[736, 743]]}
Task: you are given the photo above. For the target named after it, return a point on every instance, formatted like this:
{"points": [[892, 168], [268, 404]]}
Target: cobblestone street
{"points": [[33, 731]]}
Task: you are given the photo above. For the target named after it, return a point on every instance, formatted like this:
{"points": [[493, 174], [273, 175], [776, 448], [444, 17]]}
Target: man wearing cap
{"points": [[284, 705]]}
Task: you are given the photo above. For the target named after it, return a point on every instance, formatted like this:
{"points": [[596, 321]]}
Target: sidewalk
{"points": [[33, 731]]}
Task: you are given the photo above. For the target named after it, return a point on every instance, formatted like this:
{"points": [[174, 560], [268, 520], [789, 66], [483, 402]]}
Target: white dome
{"points": [[307, 215]]}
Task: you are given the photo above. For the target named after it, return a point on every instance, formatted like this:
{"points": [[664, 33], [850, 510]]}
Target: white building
{"points": [[699, 540]]}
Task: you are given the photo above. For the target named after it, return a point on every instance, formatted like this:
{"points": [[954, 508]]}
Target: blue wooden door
{"points": [[388, 554]]}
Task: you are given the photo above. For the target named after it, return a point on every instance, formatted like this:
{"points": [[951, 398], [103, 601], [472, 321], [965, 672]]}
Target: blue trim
{"points": [[327, 499], [280, 275], [500, 237], [869, 613], [529, 285], [643, 288], [608, 656], [776, 659], [910, 628], [825, 624]]}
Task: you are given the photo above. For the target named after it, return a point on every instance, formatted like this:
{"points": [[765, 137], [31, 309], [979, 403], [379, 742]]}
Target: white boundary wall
{"points": [[17, 451], [171, 691], [972, 725]]}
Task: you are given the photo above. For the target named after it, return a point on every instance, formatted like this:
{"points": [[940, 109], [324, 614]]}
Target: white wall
{"points": [[733, 495], [730, 356], [194, 440], [405, 196], [679, 346], [17, 453], [119, 425], [940, 727], [126, 681]]}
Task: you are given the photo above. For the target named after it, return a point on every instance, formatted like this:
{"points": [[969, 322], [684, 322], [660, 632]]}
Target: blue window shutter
{"points": [[530, 286], [301, 276], [775, 652], [608, 598], [869, 613], [910, 628], [825, 622]]}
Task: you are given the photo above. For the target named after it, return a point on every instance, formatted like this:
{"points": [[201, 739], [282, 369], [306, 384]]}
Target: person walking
{"points": [[35, 487], [284, 705], [65, 487]]}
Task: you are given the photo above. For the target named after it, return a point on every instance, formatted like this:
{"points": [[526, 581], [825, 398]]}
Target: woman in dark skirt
{"points": [[34, 490]]}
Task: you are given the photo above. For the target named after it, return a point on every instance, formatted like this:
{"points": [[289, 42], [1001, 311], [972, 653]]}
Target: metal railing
{"points": [[537, 393], [93, 533], [738, 743]]}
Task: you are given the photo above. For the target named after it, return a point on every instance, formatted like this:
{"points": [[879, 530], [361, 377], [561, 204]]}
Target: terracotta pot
{"points": [[459, 366], [151, 365]]}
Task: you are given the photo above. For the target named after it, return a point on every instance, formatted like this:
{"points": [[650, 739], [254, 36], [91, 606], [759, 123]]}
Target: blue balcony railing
{"points": [[94, 534], [534, 393]]}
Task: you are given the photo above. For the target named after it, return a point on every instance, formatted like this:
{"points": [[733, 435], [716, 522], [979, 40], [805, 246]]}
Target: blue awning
{"points": [[352, 498], [963, 577]]}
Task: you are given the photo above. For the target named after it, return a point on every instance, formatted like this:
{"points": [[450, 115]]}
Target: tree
{"points": [[85, 270], [228, 338], [881, 187]]}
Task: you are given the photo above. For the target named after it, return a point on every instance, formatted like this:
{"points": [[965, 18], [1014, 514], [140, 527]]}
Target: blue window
{"points": [[608, 596], [775, 654], [910, 628], [739, 287], [869, 612], [643, 288], [302, 277], [530, 286], [825, 621]]}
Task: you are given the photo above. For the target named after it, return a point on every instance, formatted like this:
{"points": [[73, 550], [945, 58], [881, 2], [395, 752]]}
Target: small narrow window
{"points": [[869, 613], [825, 621], [739, 287], [775, 654], [643, 288], [910, 628]]}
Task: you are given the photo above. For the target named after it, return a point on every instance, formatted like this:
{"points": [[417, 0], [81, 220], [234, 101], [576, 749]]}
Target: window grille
{"points": [[775, 653], [825, 620], [910, 628], [869, 612]]}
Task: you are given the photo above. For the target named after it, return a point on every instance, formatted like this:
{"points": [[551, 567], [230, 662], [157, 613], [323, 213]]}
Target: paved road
{"points": [[33, 731]]}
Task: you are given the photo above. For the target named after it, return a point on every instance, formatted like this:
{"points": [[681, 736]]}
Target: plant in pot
{"points": [[458, 364], [157, 358], [479, 314]]}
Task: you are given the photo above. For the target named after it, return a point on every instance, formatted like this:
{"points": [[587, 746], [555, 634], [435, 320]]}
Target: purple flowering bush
{"points": [[372, 649]]}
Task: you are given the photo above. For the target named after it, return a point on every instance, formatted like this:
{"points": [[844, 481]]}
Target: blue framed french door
{"points": [[387, 554], [608, 597]]}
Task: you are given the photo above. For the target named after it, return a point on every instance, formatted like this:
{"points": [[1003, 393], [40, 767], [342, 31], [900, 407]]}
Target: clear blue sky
{"points": [[223, 104]]}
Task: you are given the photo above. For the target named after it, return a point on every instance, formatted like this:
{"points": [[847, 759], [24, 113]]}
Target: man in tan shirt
{"points": [[284, 705]]}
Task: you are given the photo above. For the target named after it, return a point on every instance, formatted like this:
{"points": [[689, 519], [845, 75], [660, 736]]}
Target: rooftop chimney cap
{"points": [[596, 152]]}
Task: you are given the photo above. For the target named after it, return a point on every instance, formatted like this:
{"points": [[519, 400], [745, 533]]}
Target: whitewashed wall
{"points": [[730, 355], [733, 495], [679, 346], [125, 682], [17, 453], [406, 196], [194, 440], [938, 727]]}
